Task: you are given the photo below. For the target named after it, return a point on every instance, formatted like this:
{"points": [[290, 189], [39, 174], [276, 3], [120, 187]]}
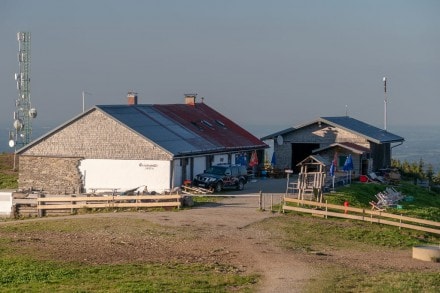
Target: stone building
{"points": [[334, 138], [121, 147]]}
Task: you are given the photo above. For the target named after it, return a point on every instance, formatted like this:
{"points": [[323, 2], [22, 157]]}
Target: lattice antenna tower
{"points": [[24, 113]]}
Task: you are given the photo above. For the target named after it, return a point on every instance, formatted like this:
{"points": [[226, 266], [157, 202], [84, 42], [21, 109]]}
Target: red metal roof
{"points": [[211, 125]]}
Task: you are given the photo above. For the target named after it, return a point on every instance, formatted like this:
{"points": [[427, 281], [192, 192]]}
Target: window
{"points": [[207, 124], [220, 123]]}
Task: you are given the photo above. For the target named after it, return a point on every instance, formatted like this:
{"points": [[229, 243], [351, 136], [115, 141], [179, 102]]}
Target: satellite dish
{"points": [[11, 143], [33, 113], [18, 125], [280, 140]]}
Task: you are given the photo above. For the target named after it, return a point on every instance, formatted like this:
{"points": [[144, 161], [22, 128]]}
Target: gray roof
{"points": [[352, 125], [161, 130], [368, 131]]}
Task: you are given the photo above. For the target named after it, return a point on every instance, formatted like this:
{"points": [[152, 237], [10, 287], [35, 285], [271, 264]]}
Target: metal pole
{"points": [[385, 103]]}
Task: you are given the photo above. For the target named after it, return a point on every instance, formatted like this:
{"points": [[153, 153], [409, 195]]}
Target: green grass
{"points": [[337, 279], [26, 275], [426, 204], [8, 177], [202, 200], [307, 233], [8, 181]]}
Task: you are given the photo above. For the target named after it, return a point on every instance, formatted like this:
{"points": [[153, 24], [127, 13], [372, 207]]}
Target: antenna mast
{"points": [[23, 112], [385, 104]]}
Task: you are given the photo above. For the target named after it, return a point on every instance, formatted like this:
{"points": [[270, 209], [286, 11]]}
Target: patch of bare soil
{"points": [[224, 233]]}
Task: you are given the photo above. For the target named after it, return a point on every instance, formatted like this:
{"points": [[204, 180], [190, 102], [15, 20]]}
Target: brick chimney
{"points": [[132, 98], [190, 99]]}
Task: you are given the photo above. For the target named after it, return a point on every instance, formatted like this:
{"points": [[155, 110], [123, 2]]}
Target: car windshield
{"points": [[217, 170]]}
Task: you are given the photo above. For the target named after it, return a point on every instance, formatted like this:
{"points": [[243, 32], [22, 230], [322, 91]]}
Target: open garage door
{"points": [[300, 151]]}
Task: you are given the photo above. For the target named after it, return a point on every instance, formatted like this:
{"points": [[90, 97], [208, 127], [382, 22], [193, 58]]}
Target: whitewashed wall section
{"points": [[220, 159], [5, 203], [199, 165], [125, 174], [177, 173]]}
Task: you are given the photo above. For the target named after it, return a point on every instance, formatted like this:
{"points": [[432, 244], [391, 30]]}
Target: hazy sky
{"points": [[275, 63]]}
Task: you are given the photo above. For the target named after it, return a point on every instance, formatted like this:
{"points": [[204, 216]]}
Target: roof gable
{"points": [[349, 124], [345, 145], [87, 135], [313, 160], [368, 131]]}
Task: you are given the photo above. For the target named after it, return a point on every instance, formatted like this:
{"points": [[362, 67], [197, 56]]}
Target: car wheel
{"points": [[240, 185], [218, 186]]}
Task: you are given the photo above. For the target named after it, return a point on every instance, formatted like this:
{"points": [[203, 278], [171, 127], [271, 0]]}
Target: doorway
{"points": [[300, 151]]}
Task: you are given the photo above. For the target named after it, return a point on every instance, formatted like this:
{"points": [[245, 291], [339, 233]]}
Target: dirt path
{"points": [[226, 226]]}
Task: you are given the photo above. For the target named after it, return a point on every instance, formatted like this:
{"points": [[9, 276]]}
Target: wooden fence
{"points": [[59, 205], [361, 215]]}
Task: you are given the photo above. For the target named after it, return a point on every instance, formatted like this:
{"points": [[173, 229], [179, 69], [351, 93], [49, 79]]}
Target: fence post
{"points": [[72, 210], [271, 202], [39, 211], [260, 201]]}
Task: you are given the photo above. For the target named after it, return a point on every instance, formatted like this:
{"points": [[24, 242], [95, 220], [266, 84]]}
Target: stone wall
{"points": [[52, 175], [97, 136]]}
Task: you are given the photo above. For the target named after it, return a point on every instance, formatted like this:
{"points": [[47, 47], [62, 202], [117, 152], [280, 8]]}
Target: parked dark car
{"points": [[219, 177]]}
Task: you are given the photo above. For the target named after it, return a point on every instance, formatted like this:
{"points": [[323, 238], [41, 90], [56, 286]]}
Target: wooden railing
{"points": [[361, 215], [116, 201]]}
